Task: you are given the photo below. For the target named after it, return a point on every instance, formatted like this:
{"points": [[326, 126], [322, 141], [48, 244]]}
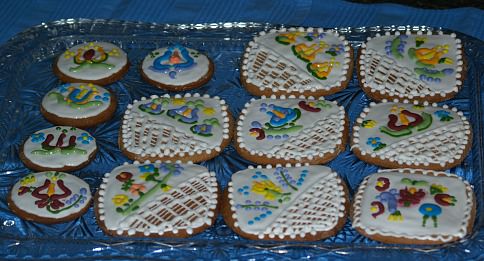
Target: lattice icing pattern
{"points": [[297, 60], [414, 204], [413, 66], [291, 128], [153, 199], [303, 201], [175, 126], [413, 135]]}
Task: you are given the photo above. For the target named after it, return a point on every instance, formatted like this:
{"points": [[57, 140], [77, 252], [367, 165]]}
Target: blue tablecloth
{"points": [[16, 16]]}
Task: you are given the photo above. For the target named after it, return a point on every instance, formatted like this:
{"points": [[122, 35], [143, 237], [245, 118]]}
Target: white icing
{"points": [[452, 222], [84, 147], [26, 201], [316, 205], [117, 59], [189, 203], [182, 77], [271, 65], [440, 143], [320, 133], [144, 133], [391, 76], [93, 100]]}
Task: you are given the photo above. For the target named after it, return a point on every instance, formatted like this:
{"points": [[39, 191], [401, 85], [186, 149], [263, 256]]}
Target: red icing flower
{"points": [[49, 198], [22, 190], [135, 189], [124, 176], [410, 196], [382, 184]]}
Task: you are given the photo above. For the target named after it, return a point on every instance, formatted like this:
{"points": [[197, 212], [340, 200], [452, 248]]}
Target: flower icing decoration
{"points": [[175, 59], [92, 55]]}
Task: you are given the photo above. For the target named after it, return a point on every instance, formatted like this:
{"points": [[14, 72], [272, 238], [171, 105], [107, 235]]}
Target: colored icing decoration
{"points": [[412, 67], [59, 147], [378, 214], [77, 100], [92, 61], [51, 195], [382, 184], [411, 136], [297, 61], [175, 65], [162, 127], [264, 200], [291, 128], [156, 199]]}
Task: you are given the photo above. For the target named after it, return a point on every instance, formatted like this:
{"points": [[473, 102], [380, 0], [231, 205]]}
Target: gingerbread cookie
{"points": [[424, 67], [49, 197], [298, 61], [188, 128], [157, 200], [78, 104], [302, 203], [405, 135], [60, 148], [94, 62], [291, 130], [407, 206], [176, 68]]}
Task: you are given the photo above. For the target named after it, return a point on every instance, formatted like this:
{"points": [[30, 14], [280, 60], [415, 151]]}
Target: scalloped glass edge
{"points": [[173, 248]]}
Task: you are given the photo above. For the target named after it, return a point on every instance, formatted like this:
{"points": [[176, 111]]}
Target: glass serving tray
{"points": [[26, 75]]}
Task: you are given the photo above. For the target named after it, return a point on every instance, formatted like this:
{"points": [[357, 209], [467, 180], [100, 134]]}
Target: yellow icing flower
{"points": [[178, 101], [166, 188], [69, 54], [27, 180], [114, 52], [395, 217], [209, 111], [145, 175], [369, 124], [266, 188], [120, 199]]}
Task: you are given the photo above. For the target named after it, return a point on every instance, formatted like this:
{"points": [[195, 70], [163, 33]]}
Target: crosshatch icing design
{"points": [[285, 202], [414, 204], [414, 66], [297, 60], [167, 126], [412, 135], [290, 128], [156, 199]]}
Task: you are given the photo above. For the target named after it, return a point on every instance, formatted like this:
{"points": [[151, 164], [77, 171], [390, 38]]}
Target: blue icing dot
{"points": [[263, 215], [256, 124], [250, 222], [285, 136], [263, 104], [257, 218], [303, 175], [258, 172], [240, 190], [305, 171], [246, 187], [264, 176], [254, 177], [300, 180], [299, 184], [246, 193], [278, 137], [269, 212], [269, 137]]}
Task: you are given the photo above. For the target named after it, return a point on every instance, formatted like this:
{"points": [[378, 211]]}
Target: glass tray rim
{"points": [[49, 29]]}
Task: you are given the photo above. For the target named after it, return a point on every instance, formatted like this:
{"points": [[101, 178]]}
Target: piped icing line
{"points": [[279, 217], [442, 193], [59, 147], [165, 127], [50, 196], [385, 140], [77, 100], [392, 66], [92, 61], [155, 199], [283, 142], [297, 60]]}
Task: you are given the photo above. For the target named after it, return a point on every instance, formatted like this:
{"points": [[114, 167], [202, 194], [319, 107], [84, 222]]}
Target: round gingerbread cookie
{"points": [[78, 104], [416, 66], [300, 203], [280, 130], [406, 206], [61, 148], [94, 62], [188, 128], [49, 197], [307, 61], [176, 68], [410, 135], [158, 199]]}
